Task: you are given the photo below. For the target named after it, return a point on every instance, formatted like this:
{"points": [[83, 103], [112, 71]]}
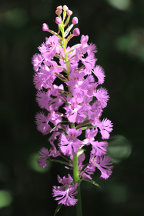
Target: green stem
{"points": [[76, 180], [75, 169], [79, 204], [76, 175]]}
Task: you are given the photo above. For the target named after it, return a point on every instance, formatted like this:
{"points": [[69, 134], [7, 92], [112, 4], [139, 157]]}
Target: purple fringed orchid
{"points": [[69, 145], [72, 107], [65, 194]]}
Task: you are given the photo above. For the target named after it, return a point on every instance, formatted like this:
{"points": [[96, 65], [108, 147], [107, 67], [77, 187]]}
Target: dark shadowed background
{"points": [[117, 28]]}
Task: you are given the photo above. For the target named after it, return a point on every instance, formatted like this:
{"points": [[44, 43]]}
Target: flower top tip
{"points": [[45, 27]]}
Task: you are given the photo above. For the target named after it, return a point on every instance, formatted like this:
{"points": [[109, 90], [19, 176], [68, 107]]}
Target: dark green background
{"points": [[118, 32]]}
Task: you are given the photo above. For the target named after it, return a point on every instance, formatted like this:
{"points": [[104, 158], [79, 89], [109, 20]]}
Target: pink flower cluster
{"points": [[73, 108]]}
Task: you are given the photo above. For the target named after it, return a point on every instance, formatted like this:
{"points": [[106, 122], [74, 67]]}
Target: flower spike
{"points": [[72, 109]]}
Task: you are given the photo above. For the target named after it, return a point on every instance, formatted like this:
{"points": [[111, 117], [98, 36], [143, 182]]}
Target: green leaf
{"points": [[57, 209], [84, 168], [86, 127], [92, 182], [61, 162], [57, 126], [83, 128], [119, 148], [53, 128]]}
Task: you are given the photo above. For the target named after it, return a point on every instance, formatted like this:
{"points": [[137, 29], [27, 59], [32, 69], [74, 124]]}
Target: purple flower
{"points": [[102, 96], [69, 145], [43, 98], [52, 44], [44, 78], [42, 123], [90, 135], [65, 194], [103, 163], [99, 73], [89, 63], [88, 171], [46, 101], [106, 127], [55, 118], [72, 108], [84, 40], [75, 80], [99, 148], [37, 60]]}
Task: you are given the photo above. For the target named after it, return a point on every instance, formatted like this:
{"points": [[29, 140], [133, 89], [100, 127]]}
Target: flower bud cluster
{"points": [[72, 109]]}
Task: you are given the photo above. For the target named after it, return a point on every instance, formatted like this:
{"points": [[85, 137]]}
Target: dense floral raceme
{"points": [[72, 99]]}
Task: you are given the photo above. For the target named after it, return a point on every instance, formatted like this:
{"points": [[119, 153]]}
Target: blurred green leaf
{"points": [[132, 43], [5, 198], [60, 162], [126, 42], [92, 182], [117, 193], [120, 4], [57, 209], [16, 17], [32, 161], [119, 148]]}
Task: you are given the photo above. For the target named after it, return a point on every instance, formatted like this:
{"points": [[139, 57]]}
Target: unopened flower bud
{"points": [[65, 8], [45, 27], [69, 12], [58, 20], [58, 10], [59, 7], [76, 32], [74, 20]]}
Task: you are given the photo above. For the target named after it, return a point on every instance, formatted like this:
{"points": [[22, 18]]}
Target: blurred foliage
{"points": [[117, 193], [32, 162], [132, 43], [15, 17], [117, 28], [120, 4], [5, 198], [119, 148]]}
